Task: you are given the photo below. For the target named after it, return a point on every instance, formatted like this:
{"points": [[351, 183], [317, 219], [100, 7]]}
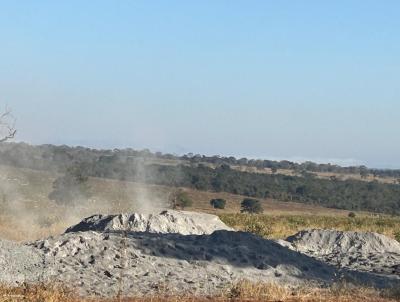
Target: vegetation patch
{"points": [[282, 226]]}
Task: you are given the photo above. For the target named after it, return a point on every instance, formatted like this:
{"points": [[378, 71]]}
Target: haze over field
{"points": [[304, 80]]}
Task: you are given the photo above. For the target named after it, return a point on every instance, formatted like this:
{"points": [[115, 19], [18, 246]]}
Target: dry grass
{"points": [[281, 226], [240, 292], [38, 293], [341, 292]]}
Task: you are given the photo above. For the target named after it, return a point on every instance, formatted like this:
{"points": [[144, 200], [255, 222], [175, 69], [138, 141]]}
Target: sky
{"points": [[299, 80]]}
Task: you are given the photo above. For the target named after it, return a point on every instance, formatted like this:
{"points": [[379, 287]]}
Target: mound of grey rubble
{"points": [[169, 221], [369, 252], [144, 263], [19, 263], [182, 252]]}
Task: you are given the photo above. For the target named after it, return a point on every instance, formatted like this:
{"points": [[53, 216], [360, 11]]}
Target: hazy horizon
{"points": [[344, 162], [263, 79]]}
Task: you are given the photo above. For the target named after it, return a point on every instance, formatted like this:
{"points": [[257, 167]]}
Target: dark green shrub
{"points": [[250, 205], [218, 203]]}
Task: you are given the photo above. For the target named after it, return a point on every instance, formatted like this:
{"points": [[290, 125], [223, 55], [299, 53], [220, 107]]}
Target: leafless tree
{"points": [[7, 125]]}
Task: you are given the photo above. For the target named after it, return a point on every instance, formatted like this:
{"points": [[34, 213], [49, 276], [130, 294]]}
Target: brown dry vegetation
{"points": [[240, 292], [282, 226]]}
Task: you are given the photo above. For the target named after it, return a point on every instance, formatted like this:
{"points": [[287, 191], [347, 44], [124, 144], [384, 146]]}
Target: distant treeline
{"points": [[136, 166], [46, 156]]}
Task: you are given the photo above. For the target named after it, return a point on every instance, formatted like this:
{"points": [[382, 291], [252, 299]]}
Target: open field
{"points": [[27, 213], [32, 187]]}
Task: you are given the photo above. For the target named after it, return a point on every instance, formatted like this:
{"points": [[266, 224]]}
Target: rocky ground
{"points": [[193, 253]]}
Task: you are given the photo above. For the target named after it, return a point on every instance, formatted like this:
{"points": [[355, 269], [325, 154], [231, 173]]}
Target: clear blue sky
{"points": [[272, 79]]}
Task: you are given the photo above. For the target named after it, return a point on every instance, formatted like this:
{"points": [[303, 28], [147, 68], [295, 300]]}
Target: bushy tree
{"points": [[180, 199], [251, 205], [71, 187], [218, 203]]}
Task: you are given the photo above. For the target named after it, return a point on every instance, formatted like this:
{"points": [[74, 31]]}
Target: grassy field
{"points": [[239, 292], [282, 226]]}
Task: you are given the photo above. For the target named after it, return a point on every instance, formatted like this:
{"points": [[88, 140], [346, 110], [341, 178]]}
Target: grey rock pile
{"points": [[360, 251]]}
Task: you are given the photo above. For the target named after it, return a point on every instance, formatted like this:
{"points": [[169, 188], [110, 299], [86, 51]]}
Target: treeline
{"points": [[136, 166], [348, 195], [58, 157]]}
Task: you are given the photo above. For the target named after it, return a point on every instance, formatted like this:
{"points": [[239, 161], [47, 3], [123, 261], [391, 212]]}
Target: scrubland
{"points": [[282, 226]]}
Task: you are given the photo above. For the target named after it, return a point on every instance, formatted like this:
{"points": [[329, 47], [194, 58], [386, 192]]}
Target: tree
{"points": [[180, 199], [71, 187], [218, 203], [250, 205], [364, 172], [7, 125]]}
